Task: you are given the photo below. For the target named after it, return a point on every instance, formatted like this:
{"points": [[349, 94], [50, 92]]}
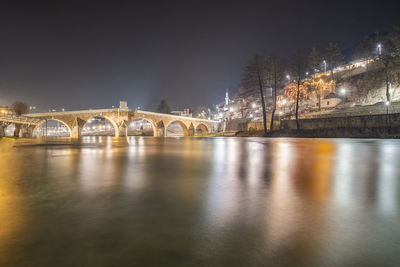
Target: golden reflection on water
{"points": [[312, 200], [12, 212]]}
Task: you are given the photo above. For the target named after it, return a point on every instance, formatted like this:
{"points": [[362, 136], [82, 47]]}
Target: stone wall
{"points": [[236, 125], [386, 125], [257, 126]]}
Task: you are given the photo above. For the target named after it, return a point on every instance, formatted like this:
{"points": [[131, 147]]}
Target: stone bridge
{"points": [[120, 118], [23, 125]]}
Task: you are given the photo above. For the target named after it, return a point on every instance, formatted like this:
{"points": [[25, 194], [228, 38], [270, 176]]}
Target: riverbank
{"points": [[340, 132]]}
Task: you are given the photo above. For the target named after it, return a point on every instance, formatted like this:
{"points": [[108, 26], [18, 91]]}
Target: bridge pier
{"points": [[76, 131], [2, 130], [17, 129], [76, 128], [191, 130], [121, 131], [27, 131]]}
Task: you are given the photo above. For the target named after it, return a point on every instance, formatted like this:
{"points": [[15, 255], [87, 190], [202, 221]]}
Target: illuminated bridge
{"points": [[119, 118]]}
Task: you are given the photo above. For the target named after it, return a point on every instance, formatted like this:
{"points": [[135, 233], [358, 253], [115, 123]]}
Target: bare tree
{"points": [[19, 107], [253, 78], [298, 66], [200, 111], [390, 59], [273, 77]]}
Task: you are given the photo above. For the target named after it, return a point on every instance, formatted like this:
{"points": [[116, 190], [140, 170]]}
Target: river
{"points": [[144, 201]]}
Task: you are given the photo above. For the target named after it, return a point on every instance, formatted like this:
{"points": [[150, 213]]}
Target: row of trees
{"points": [[298, 75], [277, 73]]}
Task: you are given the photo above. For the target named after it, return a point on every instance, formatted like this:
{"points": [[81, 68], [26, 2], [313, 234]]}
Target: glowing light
{"points": [[254, 105], [387, 103], [379, 49], [343, 91]]}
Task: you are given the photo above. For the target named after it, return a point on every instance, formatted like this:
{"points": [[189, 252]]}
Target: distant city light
{"points": [[379, 49]]}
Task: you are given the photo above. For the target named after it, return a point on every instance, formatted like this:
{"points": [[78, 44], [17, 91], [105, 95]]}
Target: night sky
{"points": [[93, 55]]}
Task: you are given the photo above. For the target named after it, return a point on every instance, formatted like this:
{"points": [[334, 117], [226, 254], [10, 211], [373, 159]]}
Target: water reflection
{"points": [[198, 201]]}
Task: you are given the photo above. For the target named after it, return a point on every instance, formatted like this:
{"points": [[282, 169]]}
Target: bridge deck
{"points": [[20, 119]]}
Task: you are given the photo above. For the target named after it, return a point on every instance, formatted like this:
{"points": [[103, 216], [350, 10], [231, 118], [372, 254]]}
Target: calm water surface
{"points": [[200, 202]]}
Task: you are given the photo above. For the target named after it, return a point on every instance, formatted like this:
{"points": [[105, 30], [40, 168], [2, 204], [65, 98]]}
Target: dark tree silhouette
{"points": [[298, 68], [254, 79], [19, 108], [314, 61], [273, 76], [334, 58], [365, 50], [163, 107]]}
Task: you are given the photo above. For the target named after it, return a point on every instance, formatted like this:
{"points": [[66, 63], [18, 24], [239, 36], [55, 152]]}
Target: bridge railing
{"points": [[74, 112], [19, 119], [109, 110], [173, 116]]}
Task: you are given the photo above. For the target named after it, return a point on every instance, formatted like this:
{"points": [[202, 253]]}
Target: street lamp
{"points": [[288, 77], [379, 49], [324, 62], [343, 92]]}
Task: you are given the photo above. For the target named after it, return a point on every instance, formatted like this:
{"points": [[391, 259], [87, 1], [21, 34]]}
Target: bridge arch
{"points": [[185, 130], [9, 130], [106, 118], [146, 120], [37, 127], [201, 128]]}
